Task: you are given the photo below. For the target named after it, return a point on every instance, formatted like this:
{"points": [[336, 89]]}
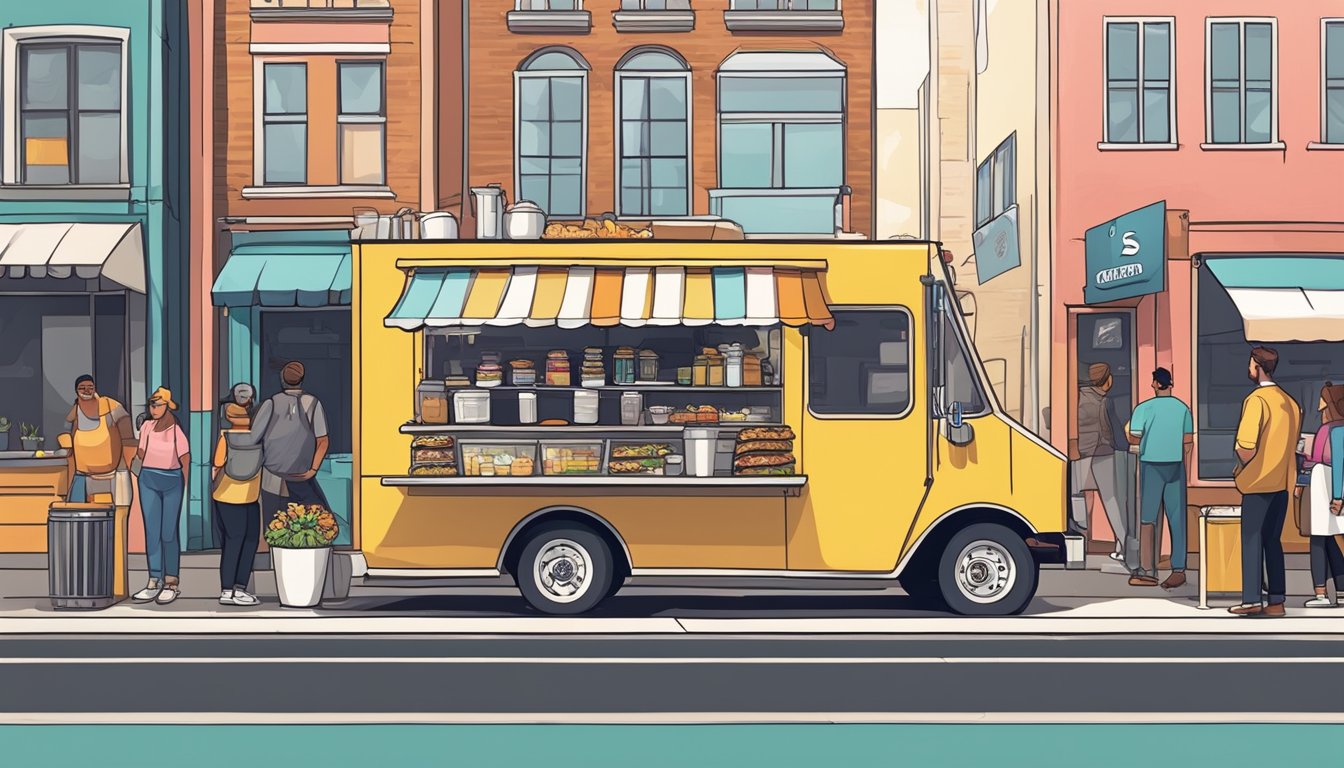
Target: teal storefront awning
{"points": [[286, 269]]}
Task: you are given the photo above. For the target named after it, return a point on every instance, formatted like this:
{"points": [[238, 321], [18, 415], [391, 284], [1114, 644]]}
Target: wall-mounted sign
{"points": [[996, 248], [1127, 256]]}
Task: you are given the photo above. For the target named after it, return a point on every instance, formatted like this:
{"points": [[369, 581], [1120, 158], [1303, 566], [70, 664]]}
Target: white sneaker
{"points": [[149, 593], [226, 597], [168, 594], [1116, 556], [1321, 601], [241, 597]]}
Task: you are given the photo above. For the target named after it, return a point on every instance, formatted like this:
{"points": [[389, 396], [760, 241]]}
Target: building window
{"points": [[1332, 82], [70, 122], [996, 182], [285, 124], [862, 366], [551, 123], [785, 5], [1241, 82], [362, 120], [655, 5], [1139, 61], [653, 91]]}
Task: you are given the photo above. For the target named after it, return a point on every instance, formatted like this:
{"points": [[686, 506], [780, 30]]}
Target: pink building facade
{"points": [[1231, 113]]}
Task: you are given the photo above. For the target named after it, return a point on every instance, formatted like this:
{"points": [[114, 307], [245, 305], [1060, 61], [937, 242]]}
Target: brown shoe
{"points": [[1175, 580], [1142, 581], [1272, 611], [1246, 609]]}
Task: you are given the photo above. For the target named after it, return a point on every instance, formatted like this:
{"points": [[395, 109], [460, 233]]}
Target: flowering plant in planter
{"points": [[300, 527]]}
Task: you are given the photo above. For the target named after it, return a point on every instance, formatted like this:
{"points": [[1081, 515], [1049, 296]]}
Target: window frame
{"points": [[518, 6], [519, 74], [15, 38], [909, 357], [778, 120], [685, 75], [361, 118], [1324, 140], [788, 7], [1275, 140], [994, 160], [261, 119], [1141, 21]]}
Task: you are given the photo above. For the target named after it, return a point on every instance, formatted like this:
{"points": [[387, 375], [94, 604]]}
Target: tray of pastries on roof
{"points": [[595, 229]]}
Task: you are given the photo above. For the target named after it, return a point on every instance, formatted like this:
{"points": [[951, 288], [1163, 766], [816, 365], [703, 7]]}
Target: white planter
{"points": [[300, 575]]}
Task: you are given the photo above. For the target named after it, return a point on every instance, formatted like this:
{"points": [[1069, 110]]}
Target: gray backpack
{"points": [[289, 444], [242, 461]]}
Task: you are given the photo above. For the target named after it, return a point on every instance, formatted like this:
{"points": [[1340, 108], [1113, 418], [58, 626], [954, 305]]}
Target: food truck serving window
{"points": [[862, 367]]}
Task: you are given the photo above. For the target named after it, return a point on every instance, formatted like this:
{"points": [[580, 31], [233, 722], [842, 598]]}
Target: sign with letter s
{"points": [[1127, 256]]}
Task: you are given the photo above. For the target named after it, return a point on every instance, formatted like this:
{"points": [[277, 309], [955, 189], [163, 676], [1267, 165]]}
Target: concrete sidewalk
{"points": [[1093, 601]]}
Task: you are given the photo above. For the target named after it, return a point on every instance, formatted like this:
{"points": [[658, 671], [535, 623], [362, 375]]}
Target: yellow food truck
{"points": [[573, 414]]}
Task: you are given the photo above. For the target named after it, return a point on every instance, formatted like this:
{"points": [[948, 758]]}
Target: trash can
{"points": [[80, 555], [1219, 552]]}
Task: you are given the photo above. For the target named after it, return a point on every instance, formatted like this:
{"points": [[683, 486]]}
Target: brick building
{"points": [[667, 109]]}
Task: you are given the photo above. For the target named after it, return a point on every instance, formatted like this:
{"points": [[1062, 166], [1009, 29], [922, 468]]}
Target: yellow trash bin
{"points": [[1219, 552]]}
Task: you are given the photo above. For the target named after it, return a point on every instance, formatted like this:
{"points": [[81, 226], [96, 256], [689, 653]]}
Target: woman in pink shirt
{"points": [[1326, 558], [165, 457]]}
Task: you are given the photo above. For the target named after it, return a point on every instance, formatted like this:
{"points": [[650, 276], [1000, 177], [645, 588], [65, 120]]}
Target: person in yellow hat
{"points": [[165, 460]]}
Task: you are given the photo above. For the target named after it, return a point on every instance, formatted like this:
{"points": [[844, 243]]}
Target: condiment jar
{"points": [[431, 402], [624, 368], [733, 365], [648, 365]]}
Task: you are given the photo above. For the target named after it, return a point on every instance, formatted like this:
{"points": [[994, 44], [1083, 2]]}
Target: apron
{"points": [[1319, 520], [96, 453]]}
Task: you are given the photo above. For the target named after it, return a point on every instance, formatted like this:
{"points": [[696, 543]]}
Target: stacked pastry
{"points": [[433, 456], [764, 451]]}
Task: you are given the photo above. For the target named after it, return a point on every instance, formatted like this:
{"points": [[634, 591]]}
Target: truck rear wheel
{"points": [[565, 569], [987, 570]]}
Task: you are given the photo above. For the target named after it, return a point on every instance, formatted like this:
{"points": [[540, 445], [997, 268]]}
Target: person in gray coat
{"points": [[1097, 466]]}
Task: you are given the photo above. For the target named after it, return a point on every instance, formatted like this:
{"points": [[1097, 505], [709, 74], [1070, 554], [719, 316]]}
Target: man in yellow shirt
{"points": [[1271, 423]]}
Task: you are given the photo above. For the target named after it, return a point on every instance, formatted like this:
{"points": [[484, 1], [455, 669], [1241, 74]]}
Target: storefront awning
{"points": [[286, 269], [572, 297], [87, 251], [1285, 298]]}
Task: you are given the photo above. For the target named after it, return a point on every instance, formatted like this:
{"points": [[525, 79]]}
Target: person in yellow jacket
{"points": [[237, 489], [103, 441]]}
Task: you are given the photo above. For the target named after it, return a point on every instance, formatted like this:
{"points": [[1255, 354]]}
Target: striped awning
{"points": [[573, 297]]}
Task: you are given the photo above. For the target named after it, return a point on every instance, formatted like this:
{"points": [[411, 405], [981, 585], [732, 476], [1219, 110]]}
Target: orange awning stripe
{"points": [[607, 287], [549, 294], [818, 311]]}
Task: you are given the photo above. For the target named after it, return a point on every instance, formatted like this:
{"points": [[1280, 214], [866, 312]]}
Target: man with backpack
{"points": [[292, 428], [236, 487]]}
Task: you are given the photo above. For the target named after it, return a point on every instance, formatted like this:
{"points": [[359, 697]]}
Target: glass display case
{"points": [[499, 458], [571, 457]]}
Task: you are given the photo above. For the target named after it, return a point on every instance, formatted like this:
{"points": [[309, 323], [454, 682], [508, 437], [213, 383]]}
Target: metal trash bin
{"points": [[80, 551]]}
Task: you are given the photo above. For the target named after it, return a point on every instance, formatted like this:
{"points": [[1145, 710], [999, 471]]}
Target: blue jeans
{"points": [[161, 505], [1162, 486], [79, 489]]}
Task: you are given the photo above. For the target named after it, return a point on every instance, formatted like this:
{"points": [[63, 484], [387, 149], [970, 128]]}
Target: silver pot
{"points": [[524, 221]]}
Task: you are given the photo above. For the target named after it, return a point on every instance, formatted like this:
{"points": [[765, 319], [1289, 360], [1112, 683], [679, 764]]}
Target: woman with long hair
{"points": [[164, 459], [1326, 558]]}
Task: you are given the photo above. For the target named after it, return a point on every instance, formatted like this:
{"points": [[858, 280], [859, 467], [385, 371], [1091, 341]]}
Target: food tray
{"points": [[500, 456], [643, 457], [572, 457]]}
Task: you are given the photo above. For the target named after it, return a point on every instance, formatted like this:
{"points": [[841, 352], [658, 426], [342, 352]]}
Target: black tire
{"points": [[1000, 556], [585, 553], [922, 587]]}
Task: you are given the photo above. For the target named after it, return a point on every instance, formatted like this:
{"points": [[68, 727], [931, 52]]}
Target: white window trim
{"points": [[1322, 143], [518, 77], [840, 117], [259, 124], [1172, 141], [683, 75], [13, 38], [356, 119], [1274, 141]]}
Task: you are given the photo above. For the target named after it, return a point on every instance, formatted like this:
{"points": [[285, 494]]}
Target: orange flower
{"points": [[277, 525]]}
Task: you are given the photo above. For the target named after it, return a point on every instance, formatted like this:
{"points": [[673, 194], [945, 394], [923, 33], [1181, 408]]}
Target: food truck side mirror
{"points": [[956, 429]]}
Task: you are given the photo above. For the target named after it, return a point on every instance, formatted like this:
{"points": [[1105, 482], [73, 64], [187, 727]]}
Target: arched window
{"points": [[653, 89], [550, 97]]}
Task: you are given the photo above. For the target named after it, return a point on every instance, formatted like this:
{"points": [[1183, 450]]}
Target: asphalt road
{"points": [[666, 675]]}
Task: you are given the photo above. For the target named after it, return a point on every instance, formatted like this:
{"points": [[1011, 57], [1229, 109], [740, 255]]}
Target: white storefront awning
{"points": [[87, 251], [1285, 297]]}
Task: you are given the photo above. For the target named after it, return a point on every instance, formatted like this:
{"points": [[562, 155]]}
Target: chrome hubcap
{"points": [[561, 570], [985, 571]]}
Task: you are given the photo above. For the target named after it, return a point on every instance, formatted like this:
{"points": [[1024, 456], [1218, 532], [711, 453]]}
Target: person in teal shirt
{"points": [[1164, 430]]}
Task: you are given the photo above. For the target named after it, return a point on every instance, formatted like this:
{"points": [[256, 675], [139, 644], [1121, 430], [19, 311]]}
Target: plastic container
{"points": [[632, 408], [431, 402], [487, 459], [674, 466], [571, 457], [585, 406], [659, 414], [471, 407], [700, 444], [522, 373], [527, 407], [557, 369], [732, 366]]}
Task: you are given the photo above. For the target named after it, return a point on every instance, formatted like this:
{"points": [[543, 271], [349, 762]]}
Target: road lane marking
{"points": [[669, 660], [226, 719]]}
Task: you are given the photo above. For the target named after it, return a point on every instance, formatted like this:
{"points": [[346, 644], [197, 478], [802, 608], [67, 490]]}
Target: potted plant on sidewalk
{"points": [[300, 539]]}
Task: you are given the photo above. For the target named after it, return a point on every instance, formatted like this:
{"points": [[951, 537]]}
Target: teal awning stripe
{"points": [[730, 293], [417, 300], [453, 295], [1320, 273], [281, 272]]}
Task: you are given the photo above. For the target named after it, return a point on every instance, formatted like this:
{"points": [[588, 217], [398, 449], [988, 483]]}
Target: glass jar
{"points": [[557, 369], [648, 365], [624, 366], [732, 365], [700, 371], [431, 402]]}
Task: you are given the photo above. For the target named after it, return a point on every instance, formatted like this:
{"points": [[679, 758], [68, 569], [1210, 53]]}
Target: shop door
{"points": [[1106, 336]]}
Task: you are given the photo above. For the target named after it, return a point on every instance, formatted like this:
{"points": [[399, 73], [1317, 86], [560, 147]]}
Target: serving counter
{"points": [[28, 485]]}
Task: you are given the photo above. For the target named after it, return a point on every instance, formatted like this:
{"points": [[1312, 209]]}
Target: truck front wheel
{"points": [[565, 569], [987, 570]]}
